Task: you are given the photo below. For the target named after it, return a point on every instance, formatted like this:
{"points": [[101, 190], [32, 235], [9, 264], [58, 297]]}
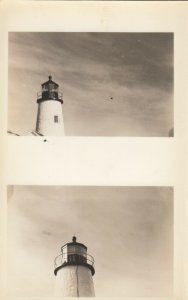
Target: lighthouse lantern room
{"points": [[49, 91], [50, 113]]}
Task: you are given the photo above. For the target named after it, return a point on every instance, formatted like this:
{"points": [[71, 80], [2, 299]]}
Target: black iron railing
{"points": [[49, 95], [73, 257]]}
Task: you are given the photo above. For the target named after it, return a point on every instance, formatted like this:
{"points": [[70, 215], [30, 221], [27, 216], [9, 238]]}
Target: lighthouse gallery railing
{"points": [[64, 258], [52, 94]]}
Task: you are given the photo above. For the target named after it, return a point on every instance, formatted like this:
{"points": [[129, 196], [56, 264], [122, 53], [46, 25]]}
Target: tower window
{"points": [[56, 119]]}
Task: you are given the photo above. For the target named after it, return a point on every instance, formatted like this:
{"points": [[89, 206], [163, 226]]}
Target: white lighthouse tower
{"points": [[50, 113], [74, 269]]}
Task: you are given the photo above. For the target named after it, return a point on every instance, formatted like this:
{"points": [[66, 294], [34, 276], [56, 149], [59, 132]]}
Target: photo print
{"points": [[107, 241], [91, 84]]}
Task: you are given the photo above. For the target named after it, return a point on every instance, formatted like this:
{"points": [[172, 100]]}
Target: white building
{"points": [[74, 269], [50, 113]]}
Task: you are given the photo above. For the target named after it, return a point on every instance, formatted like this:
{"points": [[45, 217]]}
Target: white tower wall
{"points": [[74, 281], [48, 111]]}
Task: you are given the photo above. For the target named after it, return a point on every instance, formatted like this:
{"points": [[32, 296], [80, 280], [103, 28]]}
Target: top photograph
{"points": [[113, 84]]}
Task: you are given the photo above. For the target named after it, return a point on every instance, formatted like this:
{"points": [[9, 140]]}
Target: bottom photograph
{"points": [[89, 241]]}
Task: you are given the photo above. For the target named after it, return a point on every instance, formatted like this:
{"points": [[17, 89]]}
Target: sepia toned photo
{"points": [[93, 131], [86, 241], [90, 84]]}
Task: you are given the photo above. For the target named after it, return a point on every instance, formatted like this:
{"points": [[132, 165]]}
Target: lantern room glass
{"points": [[50, 90], [74, 254]]}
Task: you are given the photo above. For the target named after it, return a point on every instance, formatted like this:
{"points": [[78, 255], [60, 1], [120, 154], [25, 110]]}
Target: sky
{"points": [[114, 84], [128, 231]]}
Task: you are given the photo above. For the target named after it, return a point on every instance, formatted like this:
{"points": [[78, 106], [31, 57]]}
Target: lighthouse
{"points": [[50, 113], [74, 270]]}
